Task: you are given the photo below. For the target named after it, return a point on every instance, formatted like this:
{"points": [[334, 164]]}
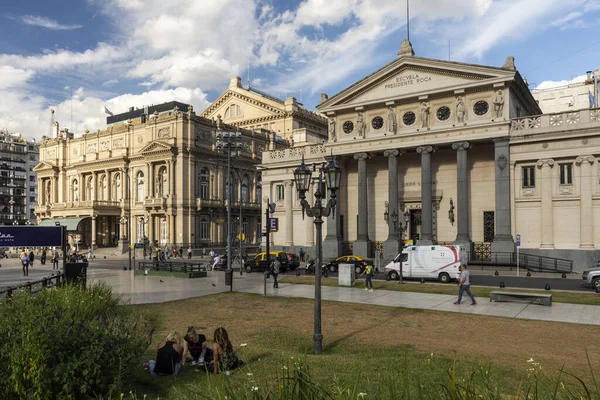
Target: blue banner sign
{"points": [[31, 236]]}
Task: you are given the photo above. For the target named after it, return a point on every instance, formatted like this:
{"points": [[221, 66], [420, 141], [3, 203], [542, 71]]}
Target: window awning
{"points": [[71, 223]]}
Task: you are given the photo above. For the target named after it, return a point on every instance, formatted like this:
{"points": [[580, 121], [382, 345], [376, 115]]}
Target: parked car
{"points": [[359, 262], [293, 261], [591, 277], [260, 262]]}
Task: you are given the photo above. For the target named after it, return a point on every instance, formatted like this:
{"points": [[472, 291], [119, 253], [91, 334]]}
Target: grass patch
{"points": [[482, 292], [368, 349]]}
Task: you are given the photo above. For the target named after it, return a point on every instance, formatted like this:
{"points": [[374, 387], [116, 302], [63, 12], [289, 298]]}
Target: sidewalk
{"points": [[150, 289]]}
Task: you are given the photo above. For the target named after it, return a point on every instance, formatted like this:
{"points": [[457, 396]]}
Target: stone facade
{"points": [[442, 146], [159, 175]]}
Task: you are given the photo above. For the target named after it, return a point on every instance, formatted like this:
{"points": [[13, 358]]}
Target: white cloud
{"points": [[555, 84], [11, 77], [47, 23]]}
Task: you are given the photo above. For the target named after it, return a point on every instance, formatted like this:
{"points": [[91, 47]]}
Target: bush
{"points": [[68, 342]]}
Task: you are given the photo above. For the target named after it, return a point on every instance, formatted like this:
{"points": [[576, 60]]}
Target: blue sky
{"points": [[82, 55]]}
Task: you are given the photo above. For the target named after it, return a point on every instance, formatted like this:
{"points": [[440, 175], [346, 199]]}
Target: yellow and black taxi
{"points": [[260, 262], [359, 262]]}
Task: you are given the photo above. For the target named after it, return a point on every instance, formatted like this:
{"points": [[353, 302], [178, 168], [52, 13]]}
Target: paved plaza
{"points": [[154, 289]]}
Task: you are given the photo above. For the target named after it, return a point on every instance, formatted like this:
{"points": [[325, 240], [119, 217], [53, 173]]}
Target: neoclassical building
{"points": [[157, 169], [255, 110], [436, 151]]}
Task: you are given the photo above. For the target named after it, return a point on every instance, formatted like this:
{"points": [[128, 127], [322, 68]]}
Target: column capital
{"points": [[288, 182], [582, 159], [461, 146], [391, 153], [545, 161], [362, 156], [425, 149]]}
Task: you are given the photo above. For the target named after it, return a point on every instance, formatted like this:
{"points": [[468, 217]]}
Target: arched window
{"points": [[204, 185], [118, 191], [233, 111], [103, 188], [75, 194], [89, 188], [245, 195], [258, 195], [234, 189], [140, 186], [163, 178]]}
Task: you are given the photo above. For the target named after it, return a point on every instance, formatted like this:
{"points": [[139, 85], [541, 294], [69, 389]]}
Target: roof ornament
{"points": [[406, 49], [509, 63]]}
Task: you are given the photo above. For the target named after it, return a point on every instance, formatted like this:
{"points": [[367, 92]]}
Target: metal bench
{"points": [[534, 298]]}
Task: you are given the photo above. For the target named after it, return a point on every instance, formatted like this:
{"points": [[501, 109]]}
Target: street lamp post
{"points": [[227, 141], [303, 176]]}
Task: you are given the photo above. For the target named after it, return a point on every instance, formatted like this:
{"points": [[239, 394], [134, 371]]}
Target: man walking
{"points": [[465, 284], [190, 253], [368, 282], [275, 266], [25, 261], [301, 254], [54, 259]]}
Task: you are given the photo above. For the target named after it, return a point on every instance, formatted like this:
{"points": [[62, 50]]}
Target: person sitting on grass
{"points": [[194, 344], [224, 358], [168, 357]]}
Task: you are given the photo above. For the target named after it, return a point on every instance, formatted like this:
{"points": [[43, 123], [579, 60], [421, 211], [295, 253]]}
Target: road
{"points": [[11, 275]]}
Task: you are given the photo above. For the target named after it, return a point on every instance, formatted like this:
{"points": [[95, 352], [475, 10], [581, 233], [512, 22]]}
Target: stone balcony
{"points": [[42, 209], [93, 204], [246, 205], [557, 122], [296, 153], [208, 203], [156, 202]]}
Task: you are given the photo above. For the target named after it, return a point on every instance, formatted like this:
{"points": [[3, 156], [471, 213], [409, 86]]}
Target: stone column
{"points": [[363, 245], [289, 213], [333, 245], [94, 237], [546, 184], [586, 238], [426, 196], [149, 181], [513, 193], [391, 247], [309, 228], [503, 239], [62, 188], [463, 237]]}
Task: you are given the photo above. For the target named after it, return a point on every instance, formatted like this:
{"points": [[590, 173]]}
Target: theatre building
{"points": [[155, 172], [440, 152]]}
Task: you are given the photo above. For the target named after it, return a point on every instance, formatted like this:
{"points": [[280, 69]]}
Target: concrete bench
{"points": [[534, 298]]}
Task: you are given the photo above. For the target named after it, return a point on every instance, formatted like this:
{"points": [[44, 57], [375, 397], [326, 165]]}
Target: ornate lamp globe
{"points": [[302, 176], [333, 175]]}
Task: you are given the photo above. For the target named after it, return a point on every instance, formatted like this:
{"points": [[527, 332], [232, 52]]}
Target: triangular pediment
{"points": [[154, 147], [43, 166], [412, 77], [251, 102]]}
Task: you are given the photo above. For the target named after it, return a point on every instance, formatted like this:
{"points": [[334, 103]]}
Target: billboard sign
{"points": [[31, 236]]}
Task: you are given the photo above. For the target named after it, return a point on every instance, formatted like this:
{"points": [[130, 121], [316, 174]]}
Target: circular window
{"points": [[409, 118], [377, 123], [481, 108], [348, 127], [443, 113]]}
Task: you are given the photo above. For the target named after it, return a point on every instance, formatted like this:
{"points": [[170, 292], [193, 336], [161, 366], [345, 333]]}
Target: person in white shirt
{"points": [[465, 284]]}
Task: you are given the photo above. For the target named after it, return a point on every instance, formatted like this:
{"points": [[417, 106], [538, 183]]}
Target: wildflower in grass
{"points": [[249, 373], [243, 344], [361, 395], [530, 360], [254, 388]]}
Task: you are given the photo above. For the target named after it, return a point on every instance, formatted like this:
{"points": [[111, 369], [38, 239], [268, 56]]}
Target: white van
{"points": [[437, 262]]}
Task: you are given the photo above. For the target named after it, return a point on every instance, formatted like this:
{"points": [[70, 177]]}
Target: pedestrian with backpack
{"points": [[368, 282]]}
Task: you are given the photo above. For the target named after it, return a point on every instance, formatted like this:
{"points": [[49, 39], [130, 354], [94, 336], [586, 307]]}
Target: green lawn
{"points": [[482, 292], [380, 351]]}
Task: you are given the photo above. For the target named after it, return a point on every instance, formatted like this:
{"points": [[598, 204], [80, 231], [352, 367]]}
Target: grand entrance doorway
{"points": [[415, 225]]}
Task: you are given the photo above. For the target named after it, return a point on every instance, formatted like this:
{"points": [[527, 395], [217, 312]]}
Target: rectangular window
{"points": [[528, 177], [280, 192], [204, 230], [566, 174]]}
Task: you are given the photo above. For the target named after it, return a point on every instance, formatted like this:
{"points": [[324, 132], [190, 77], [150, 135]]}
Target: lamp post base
{"points": [[123, 245]]}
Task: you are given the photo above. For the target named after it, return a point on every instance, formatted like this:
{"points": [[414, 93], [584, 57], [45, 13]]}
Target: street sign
{"points": [[139, 245], [31, 236], [518, 239], [243, 237], [273, 224]]}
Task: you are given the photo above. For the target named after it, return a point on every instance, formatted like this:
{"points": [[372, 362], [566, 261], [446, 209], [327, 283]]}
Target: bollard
{"points": [[564, 275], [496, 273], [547, 287], [297, 273], [502, 285], [597, 289], [422, 280], [528, 274], [124, 268]]}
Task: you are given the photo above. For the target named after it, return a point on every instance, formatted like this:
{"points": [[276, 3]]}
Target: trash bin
{"points": [[76, 273], [228, 277]]}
